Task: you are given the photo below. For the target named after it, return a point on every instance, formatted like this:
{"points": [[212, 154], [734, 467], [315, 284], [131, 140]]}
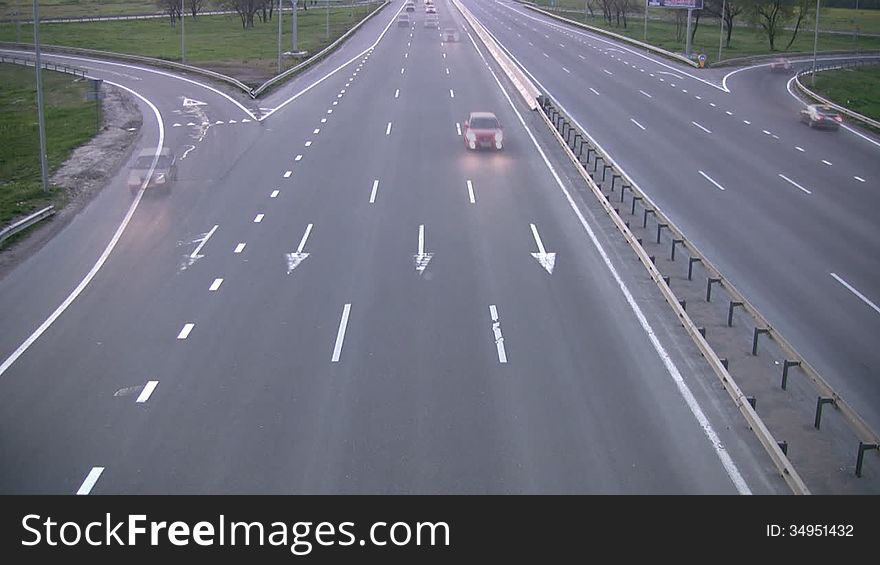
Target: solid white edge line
{"points": [[203, 242], [107, 250], [340, 334], [721, 452], [147, 392], [861, 296], [708, 178], [89, 482]]}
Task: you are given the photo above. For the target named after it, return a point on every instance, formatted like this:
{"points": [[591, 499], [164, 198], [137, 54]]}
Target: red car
{"points": [[482, 130]]}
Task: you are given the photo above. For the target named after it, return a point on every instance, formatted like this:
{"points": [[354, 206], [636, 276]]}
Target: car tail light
{"points": [[838, 118]]}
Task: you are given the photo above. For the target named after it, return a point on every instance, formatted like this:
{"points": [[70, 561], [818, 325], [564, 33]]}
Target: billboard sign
{"points": [[691, 4]]}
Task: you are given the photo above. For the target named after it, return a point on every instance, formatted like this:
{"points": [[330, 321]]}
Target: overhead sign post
{"points": [[689, 5]]}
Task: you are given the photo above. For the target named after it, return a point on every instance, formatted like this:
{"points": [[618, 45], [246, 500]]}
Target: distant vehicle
{"points": [[403, 20], [163, 174], [780, 65], [430, 9], [821, 116], [450, 34], [410, 7], [432, 21], [482, 130], [427, 2]]}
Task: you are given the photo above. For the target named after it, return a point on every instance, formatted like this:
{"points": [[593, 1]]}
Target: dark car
{"points": [[482, 130], [410, 7], [163, 175], [821, 116]]}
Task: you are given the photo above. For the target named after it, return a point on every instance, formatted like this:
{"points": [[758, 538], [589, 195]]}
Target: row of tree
{"points": [[771, 16], [247, 10]]}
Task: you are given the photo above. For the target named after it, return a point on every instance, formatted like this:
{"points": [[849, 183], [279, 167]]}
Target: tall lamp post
{"points": [[815, 45], [44, 168], [328, 21], [279, 36], [182, 35], [721, 33]]}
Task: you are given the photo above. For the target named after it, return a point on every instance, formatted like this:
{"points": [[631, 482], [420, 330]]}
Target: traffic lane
{"points": [[367, 36], [151, 234], [167, 89]]}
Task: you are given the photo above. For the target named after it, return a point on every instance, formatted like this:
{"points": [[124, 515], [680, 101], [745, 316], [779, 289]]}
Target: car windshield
{"points": [[144, 162], [484, 123]]}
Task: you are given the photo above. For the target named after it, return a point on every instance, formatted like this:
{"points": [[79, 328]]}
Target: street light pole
{"points": [[279, 36], [293, 27], [721, 33], [646, 21], [815, 45], [182, 35], [328, 20], [44, 167], [687, 49]]}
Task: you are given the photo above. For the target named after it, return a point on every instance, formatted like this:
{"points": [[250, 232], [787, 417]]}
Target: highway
{"points": [[337, 297], [784, 211]]}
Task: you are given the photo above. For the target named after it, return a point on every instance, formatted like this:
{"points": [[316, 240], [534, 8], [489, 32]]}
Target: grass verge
{"points": [[70, 121], [855, 88]]}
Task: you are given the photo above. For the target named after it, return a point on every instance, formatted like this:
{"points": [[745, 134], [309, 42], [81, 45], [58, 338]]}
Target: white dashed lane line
{"points": [[308, 143], [451, 93], [746, 122], [566, 70], [728, 112], [215, 285], [785, 178], [340, 334], [860, 179], [801, 149], [397, 93], [496, 330], [184, 333], [258, 218], [239, 248], [858, 294], [701, 127], [147, 392], [637, 123], [298, 158], [287, 174], [274, 194], [470, 188], [608, 72], [89, 483], [646, 94], [388, 129], [826, 162], [594, 91], [708, 178], [317, 131], [458, 128], [373, 192]]}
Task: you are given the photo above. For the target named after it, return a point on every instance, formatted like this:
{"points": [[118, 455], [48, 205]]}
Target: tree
{"points": [[245, 10], [771, 15], [803, 10], [195, 6], [170, 7]]}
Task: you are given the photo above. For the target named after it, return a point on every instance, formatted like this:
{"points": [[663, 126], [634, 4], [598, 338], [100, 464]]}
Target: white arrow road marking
{"points": [[90, 480], [148, 390], [547, 260], [496, 329], [340, 334], [194, 256], [421, 259], [187, 102], [294, 259]]}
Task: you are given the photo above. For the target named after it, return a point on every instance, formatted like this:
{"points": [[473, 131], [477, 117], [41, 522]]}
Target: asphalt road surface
{"points": [[266, 327]]}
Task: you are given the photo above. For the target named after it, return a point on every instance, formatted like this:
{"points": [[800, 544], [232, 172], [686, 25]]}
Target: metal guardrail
{"points": [[45, 64], [843, 110], [617, 36], [126, 57], [316, 57], [25, 223], [581, 147], [749, 59]]}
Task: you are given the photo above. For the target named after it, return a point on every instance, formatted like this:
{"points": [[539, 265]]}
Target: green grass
{"points": [[856, 88], [745, 41], [70, 121], [78, 8], [214, 42]]}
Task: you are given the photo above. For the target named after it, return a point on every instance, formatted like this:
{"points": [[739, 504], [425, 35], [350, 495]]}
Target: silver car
{"points": [[164, 173]]}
